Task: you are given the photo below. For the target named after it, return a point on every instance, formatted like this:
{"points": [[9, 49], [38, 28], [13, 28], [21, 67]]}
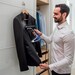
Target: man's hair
{"points": [[63, 8]]}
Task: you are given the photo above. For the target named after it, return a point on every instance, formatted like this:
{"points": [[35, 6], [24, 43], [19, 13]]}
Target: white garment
{"points": [[62, 52]]}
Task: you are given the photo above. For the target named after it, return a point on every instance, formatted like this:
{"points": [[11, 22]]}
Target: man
{"points": [[62, 40]]}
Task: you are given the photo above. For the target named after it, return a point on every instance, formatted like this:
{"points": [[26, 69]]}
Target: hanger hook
{"points": [[23, 3]]}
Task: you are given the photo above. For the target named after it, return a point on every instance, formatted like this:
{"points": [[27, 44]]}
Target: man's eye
{"points": [[56, 14]]}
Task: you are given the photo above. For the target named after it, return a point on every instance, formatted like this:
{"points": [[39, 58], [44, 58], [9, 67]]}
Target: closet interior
{"points": [[43, 19]]}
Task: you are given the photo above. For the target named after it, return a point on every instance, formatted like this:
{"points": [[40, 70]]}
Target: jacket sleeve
{"points": [[18, 33]]}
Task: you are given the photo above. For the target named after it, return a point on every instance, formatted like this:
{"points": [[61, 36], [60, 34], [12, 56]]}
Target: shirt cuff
{"points": [[42, 36], [51, 66]]}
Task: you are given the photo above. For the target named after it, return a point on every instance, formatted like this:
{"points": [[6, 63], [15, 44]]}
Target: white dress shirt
{"points": [[62, 52]]}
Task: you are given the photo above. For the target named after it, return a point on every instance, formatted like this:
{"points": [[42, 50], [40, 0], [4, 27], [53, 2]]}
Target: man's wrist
{"points": [[40, 34]]}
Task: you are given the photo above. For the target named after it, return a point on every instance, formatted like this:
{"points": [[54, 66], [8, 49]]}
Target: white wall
{"points": [[73, 14], [8, 56], [73, 27]]}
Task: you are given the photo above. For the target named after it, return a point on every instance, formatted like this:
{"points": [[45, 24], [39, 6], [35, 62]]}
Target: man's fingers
{"points": [[42, 66]]}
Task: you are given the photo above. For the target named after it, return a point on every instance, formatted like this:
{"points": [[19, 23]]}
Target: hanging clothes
{"points": [[41, 24], [26, 51]]}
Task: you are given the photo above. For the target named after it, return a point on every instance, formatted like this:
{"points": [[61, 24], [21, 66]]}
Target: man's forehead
{"points": [[57, 9]]}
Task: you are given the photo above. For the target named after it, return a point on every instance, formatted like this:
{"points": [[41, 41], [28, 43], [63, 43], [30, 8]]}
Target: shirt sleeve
{"points": [[47, 39], [68, 41]]}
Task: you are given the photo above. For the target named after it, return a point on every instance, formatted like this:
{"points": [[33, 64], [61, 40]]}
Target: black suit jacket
{"points": [[25, 49]]}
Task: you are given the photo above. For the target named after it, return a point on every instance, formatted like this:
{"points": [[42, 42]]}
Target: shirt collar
{"points": [[62, 25]]}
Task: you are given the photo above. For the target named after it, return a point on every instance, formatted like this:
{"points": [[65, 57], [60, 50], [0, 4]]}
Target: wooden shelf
{"points": [[42, 2]]}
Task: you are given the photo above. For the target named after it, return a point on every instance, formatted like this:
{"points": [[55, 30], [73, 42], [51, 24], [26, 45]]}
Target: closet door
{"points": [[8, 57]]}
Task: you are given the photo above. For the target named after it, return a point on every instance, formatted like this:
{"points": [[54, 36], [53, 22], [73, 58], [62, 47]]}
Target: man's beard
{"points": [[58, 20]]}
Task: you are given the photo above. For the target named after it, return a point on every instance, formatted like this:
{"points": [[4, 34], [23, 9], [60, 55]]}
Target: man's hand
{"points": [[44, 66], [38, 32]]}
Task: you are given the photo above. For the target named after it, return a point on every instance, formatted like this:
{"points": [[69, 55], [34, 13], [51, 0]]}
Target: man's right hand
{"points": [[38, 32]]}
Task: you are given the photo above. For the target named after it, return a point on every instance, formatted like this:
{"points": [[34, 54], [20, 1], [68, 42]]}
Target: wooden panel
{"points": [[42, 2], [46, 1]]}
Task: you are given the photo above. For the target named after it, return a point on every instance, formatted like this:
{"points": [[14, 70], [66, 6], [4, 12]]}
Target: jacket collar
{"points": [[24, 16]]}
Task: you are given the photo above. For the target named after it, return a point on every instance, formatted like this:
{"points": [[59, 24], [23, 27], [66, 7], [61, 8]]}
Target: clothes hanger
{"points": [[24, 11], [25, 14]]}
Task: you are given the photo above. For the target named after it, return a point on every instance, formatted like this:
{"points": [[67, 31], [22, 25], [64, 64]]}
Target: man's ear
{"points": [[64, 14]]}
